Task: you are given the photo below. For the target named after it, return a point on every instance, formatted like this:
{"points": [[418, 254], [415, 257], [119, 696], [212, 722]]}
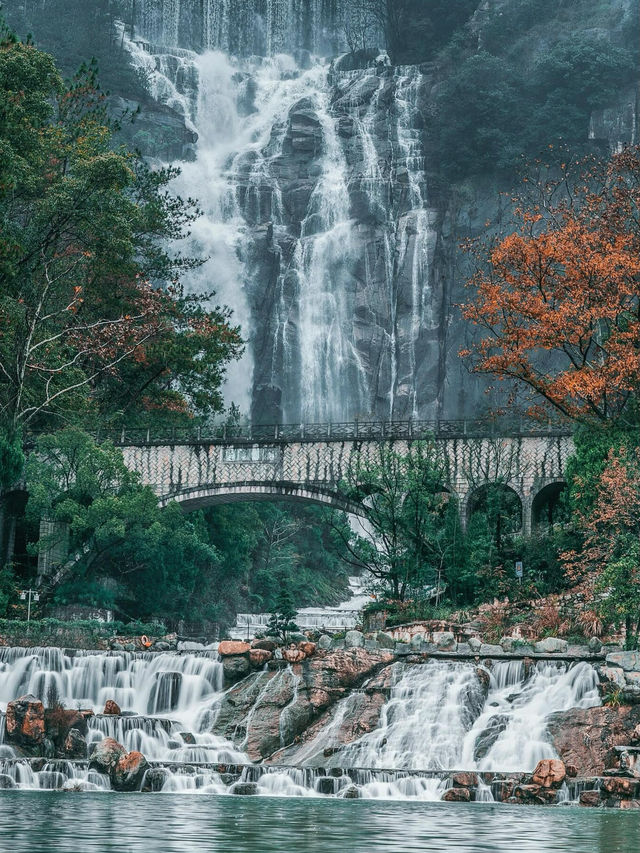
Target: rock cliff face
{"points": [[327, 236]]}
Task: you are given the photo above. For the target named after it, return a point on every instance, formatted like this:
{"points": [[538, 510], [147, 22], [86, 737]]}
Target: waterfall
{"points": [[440, 716], [312, 182], [446, 715]]}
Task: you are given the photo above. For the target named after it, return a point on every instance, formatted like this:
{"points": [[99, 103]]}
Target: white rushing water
{"points": [[440, 716], [341, 617], [289, 247]]}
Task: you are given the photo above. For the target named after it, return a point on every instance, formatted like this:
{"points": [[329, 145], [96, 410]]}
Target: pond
{"points": [[63, 822]]}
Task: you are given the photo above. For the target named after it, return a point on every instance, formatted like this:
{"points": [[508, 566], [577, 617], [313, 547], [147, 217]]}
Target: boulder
{"points": [[384, 640], [587, 737], [154, 779], [595, 645], [591, 799], [75, 745], [235, 667], [187, 737], [489, 651], [308, 648], [266, 644], [551, 646], [354, 640], [324, 642], [457, 795], [258, 657], [59, 722], [510, 644], [245, 789], [465, 780], [620, 786], [25, 721], [6, 782], [634, 740], [549, 773], [474, 644], [229, 648], [111, 708], [162, 646], [444, 640], [128, 773], [106, 754], [629, 661], [293, 655], [352, 792]]}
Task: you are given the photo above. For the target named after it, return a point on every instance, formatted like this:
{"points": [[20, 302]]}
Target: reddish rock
{"points": [[308, 648], [590, 798], [528, 794], [259, 657], [58, 722], [465, 780], [634, 740], [266, 644], [106, 755], [25, 721], [112, 708], [233, 647], [572, 771], [128, 773], [621, 786], [457, 795], [585, 737], [502, 790], [549, 773], [293, 655]]}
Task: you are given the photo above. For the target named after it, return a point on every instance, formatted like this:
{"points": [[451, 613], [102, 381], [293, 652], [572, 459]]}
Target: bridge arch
{"points": [[476, 500], [215, 494], [545, 500]]}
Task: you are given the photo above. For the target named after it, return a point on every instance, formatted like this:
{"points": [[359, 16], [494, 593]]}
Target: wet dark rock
{"points": [[128, 773], [235, 668], [111, 708], [351, 792], [154, 779], [6, 782], [489, 736], [457, 795], [590, 799], [188, 738], [106, 754], [75, 744], [326, 785], [245, 789]]}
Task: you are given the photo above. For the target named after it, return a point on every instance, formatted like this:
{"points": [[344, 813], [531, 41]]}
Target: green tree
{"points": [[93, 319], [124, 551], [410, 522], [281, 622]]}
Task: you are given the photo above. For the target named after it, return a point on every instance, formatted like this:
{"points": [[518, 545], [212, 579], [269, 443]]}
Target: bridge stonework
{"points": [[199, 473]]}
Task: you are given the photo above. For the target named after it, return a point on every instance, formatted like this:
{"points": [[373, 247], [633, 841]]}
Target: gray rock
{"points": [[444, 640], [115, 646], [245, 789], [351, 793], [612, 675], [155, 779], [324, 642], [385, 641], [354, 640], [189, 646], [488, 650], [6, 782], [509, 644], [370, 644], [464, 649], [551, 646], [403, 649], [629, 661], [417, 640], [475, 644], [161, 646], [595, 645], [235, 667], [129, 647]]}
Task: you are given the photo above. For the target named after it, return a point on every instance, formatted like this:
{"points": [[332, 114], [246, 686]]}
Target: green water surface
{"points": [[59, 822]]}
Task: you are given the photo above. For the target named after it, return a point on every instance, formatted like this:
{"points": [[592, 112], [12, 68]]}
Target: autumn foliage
{"points": [[559, 298]]}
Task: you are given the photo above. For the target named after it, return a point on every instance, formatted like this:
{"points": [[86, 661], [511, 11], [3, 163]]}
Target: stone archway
{"points": [[499, 499], [545, 503]]}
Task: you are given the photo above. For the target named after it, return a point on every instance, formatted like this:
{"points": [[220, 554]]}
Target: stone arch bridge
{"points": [[199, 468]]}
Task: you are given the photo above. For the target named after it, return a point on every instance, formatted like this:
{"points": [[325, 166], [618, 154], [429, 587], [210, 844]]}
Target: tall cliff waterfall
{"points": [[316, 220]]}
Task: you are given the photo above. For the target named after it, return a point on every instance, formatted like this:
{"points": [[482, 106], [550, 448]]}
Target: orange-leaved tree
{"points": [[559, 298]]}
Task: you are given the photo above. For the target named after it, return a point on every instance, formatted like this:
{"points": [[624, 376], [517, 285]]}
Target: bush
{"points": [[80, 633]]}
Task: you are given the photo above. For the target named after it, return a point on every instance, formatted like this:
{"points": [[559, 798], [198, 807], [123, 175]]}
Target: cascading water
{"points": [[439, 716], [446, 715], [312, 183]]}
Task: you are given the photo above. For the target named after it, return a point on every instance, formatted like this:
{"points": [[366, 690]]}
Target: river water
{"points": [[50, 822]]}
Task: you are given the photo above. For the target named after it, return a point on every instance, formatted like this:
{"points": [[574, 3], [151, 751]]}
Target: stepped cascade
{"points": [[437, 717], [316, 218]]}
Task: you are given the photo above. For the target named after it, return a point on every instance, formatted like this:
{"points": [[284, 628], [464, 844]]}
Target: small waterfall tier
{"points": [[342, 617]]}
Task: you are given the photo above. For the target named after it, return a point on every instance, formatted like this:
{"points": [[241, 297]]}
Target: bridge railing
{"points": [[352, 431]]}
